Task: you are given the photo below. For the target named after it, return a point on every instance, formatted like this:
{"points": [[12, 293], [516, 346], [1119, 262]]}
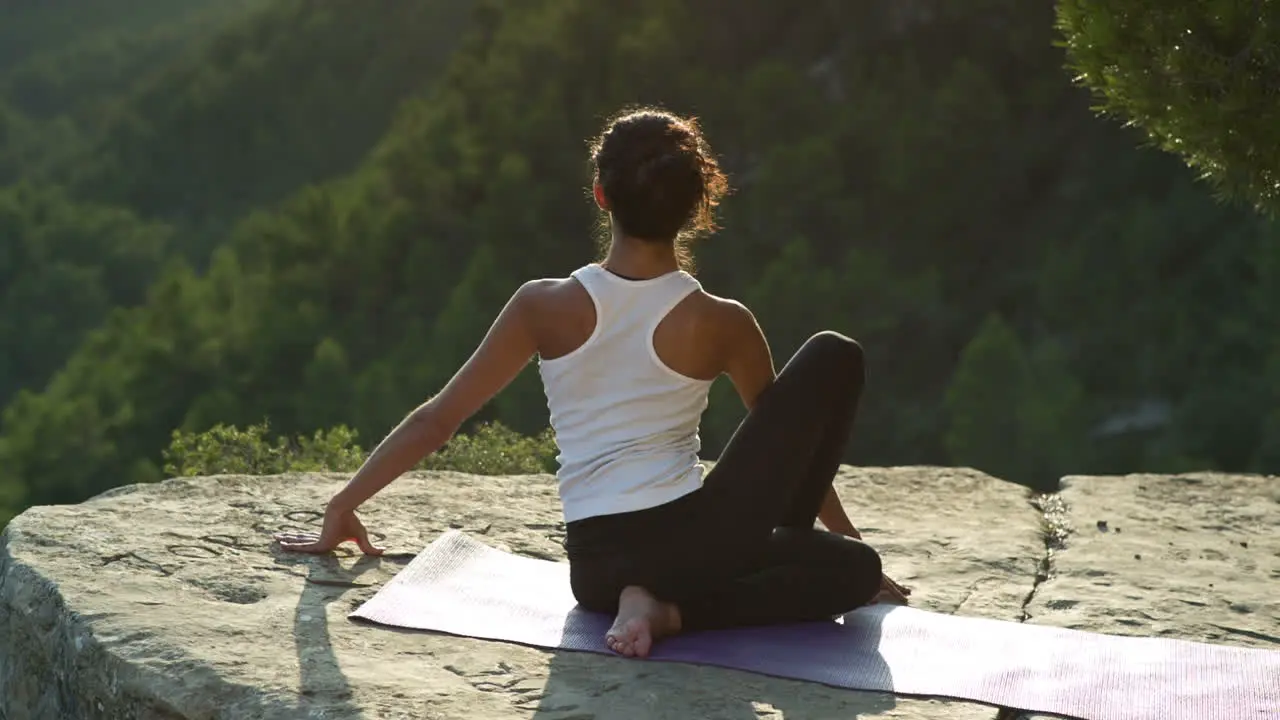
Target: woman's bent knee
{"points": [[840, 349], [864, 570]]}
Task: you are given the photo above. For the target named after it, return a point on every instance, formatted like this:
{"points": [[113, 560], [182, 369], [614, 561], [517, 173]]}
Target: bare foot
{"points": [[641, 620]]}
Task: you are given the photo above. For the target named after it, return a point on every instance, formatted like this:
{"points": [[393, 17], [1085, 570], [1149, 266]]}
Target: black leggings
{"points": [[742, 549]]}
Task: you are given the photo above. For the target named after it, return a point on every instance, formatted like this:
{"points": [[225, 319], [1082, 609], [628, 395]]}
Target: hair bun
{"points": [[665, 167], [658, 175]]}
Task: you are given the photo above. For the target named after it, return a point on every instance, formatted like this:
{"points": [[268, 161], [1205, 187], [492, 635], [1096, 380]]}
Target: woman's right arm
{"points": [[506, 349]]}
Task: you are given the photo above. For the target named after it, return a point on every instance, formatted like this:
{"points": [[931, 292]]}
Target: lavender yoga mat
{"points": [[460, 586]]}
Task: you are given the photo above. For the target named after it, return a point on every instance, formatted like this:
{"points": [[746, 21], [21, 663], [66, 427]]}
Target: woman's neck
{"points": [[640, 259]]}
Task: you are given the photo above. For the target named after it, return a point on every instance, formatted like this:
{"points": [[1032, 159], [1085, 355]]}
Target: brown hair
{"points": [[659, 176]]}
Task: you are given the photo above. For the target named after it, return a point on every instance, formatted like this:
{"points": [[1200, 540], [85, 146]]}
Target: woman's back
{"points": [[626, 366]]}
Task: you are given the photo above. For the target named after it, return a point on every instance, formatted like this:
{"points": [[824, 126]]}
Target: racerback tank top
{"points": [[626, 424]]}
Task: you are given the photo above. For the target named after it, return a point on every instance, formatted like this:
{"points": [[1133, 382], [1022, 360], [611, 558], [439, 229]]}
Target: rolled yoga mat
{"points": [[460, 586]]}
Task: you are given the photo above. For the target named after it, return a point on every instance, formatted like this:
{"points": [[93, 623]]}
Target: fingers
{"points": [[362, 540], [295, 538], [336, 532], [303, 542], [897, 586], [316, 544], [898, 594], [306, 547], [890, 591]]}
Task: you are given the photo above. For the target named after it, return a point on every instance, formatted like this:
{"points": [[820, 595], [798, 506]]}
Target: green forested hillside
{"points": [[137, 141], [295, 94], [66, 67], [33, 27], [66, 260], [63, 266], [1036, 295]]}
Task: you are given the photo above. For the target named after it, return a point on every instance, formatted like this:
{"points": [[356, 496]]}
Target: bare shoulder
{"points": [[731, 326], [744, 351], [728, 314], [559, 312], [540, 288], [541, 294]]}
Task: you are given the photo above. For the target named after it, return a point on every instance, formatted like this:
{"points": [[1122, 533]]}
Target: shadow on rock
{"points": [[324, 688], [681, 681]]}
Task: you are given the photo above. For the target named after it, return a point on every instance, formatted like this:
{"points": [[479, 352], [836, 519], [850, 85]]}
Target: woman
{"points": [[627, 349]]}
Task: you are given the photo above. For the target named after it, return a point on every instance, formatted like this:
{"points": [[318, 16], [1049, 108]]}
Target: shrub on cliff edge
{"points": [[491, 449]]}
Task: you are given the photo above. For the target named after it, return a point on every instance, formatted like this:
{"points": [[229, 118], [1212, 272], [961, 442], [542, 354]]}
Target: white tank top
{"points": [[626, 425]]}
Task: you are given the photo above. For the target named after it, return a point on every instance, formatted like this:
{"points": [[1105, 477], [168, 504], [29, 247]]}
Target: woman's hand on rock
{"points": [[891, 591], [339, 527]]}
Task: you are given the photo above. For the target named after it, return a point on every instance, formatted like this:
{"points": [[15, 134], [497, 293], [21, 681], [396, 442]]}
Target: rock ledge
{"points": [[168, 600]]}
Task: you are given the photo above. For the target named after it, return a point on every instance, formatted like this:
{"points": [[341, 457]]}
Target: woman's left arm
{"points": [[833, 516], [749, 365]]}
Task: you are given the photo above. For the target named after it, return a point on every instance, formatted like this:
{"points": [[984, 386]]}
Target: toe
{"points": [[618, 644]]}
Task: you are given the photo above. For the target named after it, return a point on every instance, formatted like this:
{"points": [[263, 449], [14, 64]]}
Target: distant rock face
{"points": [[168, 600]]}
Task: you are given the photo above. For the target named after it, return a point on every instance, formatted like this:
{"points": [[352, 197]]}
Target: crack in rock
{"points": [[1054, 530], [134, 557]]}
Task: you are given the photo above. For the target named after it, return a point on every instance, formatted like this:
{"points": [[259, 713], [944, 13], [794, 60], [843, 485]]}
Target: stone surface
{"points": [[1195, 557], [168, 601]]}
